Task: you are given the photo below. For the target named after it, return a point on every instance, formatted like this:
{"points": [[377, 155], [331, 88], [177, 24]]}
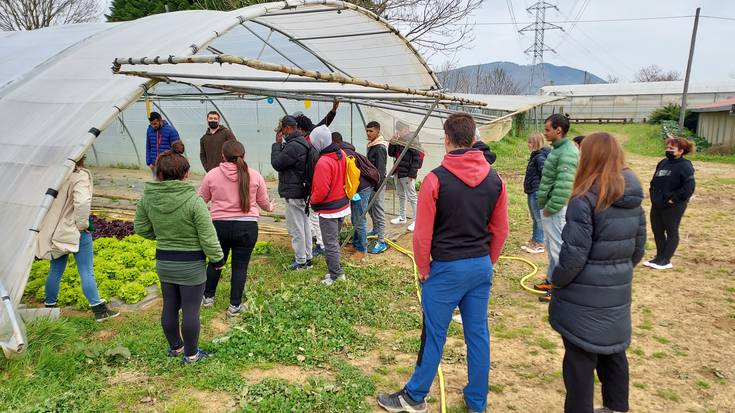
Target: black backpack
{"points": [[312, 156], [367, 169]]}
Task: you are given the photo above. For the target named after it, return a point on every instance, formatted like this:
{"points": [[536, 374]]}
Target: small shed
{"points": [[717, 122]]}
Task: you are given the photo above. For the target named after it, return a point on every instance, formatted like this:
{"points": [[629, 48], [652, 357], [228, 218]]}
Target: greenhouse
{"points": [[86, 89]]}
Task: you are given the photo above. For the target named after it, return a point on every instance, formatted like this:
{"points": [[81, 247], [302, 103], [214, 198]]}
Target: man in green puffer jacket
{"points": [[556, 185]]}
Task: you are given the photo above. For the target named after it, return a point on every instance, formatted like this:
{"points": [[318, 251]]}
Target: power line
{"points": [[630, 19]]}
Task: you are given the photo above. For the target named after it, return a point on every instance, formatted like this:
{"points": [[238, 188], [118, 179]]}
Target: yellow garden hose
{"points": [[279, 231], [527, 276]]}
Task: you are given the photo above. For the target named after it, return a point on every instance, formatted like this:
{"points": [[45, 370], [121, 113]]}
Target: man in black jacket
{"points": [[407, 171], [290, 156], [489, 155], [377, 154]]}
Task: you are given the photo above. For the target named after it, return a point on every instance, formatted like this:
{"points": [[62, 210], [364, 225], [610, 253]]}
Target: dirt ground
{"points": [[681, 358]]}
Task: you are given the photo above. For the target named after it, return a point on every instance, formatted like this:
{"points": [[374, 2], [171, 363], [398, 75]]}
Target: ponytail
{"points": [[233, 151], [244, 183]]}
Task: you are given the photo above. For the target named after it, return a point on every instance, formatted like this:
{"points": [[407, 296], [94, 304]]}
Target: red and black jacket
{"points": [[462, 211]]}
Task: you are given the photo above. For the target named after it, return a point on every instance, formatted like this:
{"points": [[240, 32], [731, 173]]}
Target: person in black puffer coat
{"points": [[671, 187], [289, 156], [531, 181], [603, 240], [406, 172], [489, 155]]}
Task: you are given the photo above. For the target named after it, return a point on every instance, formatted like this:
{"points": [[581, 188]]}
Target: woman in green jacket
{"points": [[172, 213]]}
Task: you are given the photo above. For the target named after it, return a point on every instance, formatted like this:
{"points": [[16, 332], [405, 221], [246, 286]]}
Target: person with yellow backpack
{"points": [[329, 197], [360, 172]]}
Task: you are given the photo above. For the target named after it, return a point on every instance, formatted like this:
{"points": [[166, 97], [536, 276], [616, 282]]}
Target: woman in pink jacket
{"points": [[235, 194]]}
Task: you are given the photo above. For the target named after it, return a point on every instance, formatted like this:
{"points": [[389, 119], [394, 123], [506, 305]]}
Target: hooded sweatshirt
{"points": [[377, 154], [328, 195], [462, 211], [172, 213], [221, 190]]}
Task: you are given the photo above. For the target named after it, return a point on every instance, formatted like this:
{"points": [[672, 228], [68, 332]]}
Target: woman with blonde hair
{"points": [[531, 182], [592, 282]]}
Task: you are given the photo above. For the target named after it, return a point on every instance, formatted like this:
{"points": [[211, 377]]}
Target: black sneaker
{"points": [[401, 402], [102, 312], [318, 252], [52, 305], [176, 352], [309, 264]]}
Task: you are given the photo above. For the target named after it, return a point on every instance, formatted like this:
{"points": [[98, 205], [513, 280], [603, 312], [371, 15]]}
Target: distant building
{"points": [[717, 122], [632, 102]]}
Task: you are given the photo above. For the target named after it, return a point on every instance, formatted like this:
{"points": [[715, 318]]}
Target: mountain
{"points": [[486, 78]]}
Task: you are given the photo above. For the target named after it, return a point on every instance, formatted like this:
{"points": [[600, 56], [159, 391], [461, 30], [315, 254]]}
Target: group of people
{"points": [[586, 208]]}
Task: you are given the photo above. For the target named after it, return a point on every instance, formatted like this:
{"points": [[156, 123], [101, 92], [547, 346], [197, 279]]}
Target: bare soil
{"points": [[681, 358]]}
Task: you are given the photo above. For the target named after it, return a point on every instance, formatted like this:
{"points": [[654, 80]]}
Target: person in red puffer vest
{"points": [[328, 198]]}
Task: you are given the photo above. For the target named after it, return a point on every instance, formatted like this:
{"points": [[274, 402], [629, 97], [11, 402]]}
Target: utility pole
{"points": [[538, 47], [682, 115]]}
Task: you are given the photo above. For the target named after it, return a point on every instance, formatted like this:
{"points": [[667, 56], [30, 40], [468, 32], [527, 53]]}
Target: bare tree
{"points": [[35, 14], [498, 82], [446, 74], [433, 26], [612, 79], [654, 73]]}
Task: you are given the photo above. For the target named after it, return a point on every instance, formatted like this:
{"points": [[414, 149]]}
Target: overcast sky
{"points": [[616, 48]]}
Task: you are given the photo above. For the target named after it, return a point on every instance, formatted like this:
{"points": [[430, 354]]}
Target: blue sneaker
{"points": [[372, 233], [199, 356], [378, 248]]}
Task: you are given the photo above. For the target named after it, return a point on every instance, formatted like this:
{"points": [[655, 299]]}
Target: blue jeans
{"points": [[359, 219], [85, 266], [465, 283], [553, 227], [538, 233]]}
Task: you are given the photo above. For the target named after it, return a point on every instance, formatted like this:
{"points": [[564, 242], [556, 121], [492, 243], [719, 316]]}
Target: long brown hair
{"points": [[601, 165], [233, 151], [172, 165]]}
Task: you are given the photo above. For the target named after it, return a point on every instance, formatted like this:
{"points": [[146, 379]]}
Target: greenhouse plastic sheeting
{"points": [[56, 85]]}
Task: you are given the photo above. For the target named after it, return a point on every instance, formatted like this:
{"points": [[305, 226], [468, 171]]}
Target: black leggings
{"points": [[240, 237], [188, 299], [579, 379], [665, 225]]}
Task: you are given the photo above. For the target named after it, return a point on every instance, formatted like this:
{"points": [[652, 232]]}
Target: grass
{"points": [[335, 344], [669, 394], [644, 139]]}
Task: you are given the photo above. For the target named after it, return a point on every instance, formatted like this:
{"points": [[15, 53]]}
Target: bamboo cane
{"points": [[261, 65]]}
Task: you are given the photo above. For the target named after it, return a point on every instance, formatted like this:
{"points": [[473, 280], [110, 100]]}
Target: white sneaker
{"points": [[328, 280], [656, 266], [398, 221], [457, 318], [412, 226], [207, 301]]}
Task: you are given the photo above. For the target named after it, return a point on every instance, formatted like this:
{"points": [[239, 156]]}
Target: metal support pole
{"points": [[163, 113], [206, 96], [682, 115], [395, 164], [135, 147]]}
